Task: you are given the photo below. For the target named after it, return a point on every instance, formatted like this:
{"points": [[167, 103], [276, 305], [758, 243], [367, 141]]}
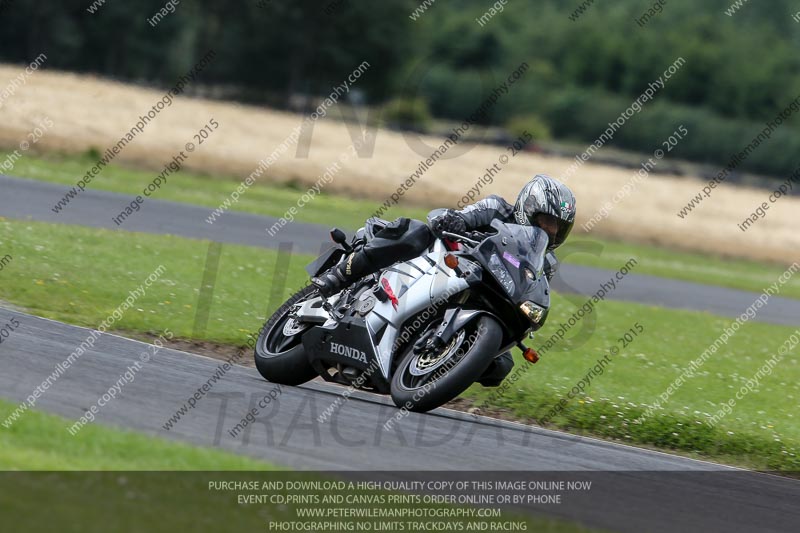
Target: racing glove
{"points": [[449, 221]]}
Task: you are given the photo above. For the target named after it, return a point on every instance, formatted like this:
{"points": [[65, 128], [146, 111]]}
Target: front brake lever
{"points": [[458, 237]]}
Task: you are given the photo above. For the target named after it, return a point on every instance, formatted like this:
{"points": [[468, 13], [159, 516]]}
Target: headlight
{"points": [[501, 273], [534, 312]]}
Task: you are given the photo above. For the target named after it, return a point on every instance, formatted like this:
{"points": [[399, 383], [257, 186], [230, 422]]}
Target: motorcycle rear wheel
{"points": [[281, 358]]}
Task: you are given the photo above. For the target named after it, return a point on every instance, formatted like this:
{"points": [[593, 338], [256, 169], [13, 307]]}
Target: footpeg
{"points": [[350, 373]]}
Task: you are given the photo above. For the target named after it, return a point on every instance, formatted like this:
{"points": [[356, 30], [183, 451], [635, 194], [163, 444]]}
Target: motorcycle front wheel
{"points": [[424, 381]]}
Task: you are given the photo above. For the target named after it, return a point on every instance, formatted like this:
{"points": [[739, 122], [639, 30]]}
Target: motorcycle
{"points": [[422, 330]]}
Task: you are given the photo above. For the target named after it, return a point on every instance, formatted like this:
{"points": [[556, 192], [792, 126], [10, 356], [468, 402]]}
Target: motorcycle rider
{"points": [[544, 202]]}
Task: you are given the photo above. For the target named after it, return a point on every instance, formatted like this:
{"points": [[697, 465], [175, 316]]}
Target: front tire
{"points": [[422, 383], [281, 358]]}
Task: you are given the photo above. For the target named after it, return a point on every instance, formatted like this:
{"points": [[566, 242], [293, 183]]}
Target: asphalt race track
{"points": [[633, 489], [29, 199]]}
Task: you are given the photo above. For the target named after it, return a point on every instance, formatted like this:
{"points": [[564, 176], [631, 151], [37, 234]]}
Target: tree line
{"points": [[740, 70]]}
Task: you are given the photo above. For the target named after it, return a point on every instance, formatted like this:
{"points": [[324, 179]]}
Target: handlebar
{"points": [[470, 237]]}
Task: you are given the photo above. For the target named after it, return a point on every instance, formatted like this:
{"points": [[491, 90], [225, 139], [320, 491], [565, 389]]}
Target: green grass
{"points": [[39, 441], [763, 431], [106, 479], [349, 213], [80, 275]]}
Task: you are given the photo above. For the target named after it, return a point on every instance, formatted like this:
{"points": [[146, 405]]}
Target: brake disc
{"points": [[427, 362], [292, 327]]}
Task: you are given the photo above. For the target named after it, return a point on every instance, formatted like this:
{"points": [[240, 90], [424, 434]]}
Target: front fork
{"points": [[453, 321]]}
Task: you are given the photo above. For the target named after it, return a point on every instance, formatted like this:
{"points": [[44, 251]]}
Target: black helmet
{"points": [[547, 195]]}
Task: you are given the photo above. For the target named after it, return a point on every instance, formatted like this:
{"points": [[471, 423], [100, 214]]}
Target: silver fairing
{"points": [[421, 284]]}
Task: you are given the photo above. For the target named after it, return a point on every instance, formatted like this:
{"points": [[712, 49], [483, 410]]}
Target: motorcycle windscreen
{"points": [[515, 257]]}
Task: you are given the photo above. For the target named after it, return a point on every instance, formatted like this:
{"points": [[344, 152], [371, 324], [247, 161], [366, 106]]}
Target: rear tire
{"points": [[280, 358], [473, 355]]}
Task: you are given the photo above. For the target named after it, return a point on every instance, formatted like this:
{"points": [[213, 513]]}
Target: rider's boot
{"points": [[344, 274], [497, 371]]}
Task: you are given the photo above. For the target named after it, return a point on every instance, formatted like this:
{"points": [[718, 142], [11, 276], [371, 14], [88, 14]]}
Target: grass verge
{"points": [[157, 485], [762, 431], [40, 441], [274, 200], [81, 275]]}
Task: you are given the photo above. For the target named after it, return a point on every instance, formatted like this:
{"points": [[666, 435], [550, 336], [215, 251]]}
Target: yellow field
{"points": [[91, 112]]}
